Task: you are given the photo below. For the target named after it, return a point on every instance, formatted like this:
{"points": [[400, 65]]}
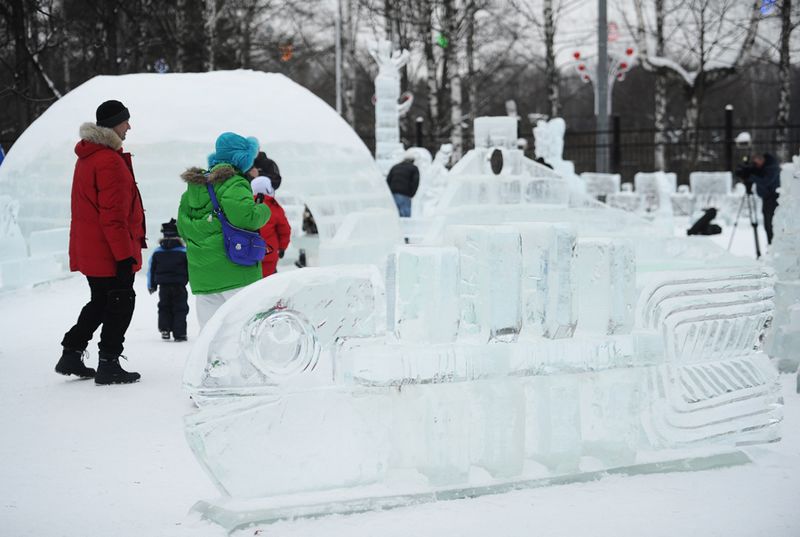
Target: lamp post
{"points": [[618, 62], [601, 90]]}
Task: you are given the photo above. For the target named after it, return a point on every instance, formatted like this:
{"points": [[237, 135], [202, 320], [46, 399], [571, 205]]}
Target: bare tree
{"points": [[788, 16], [544, 17], [709, 43]]}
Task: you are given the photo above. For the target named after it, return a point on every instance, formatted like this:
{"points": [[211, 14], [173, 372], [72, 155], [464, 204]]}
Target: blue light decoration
{"points": [[161, 66], [768, 7]]}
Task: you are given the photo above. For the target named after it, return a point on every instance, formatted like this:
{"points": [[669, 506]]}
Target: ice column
{"points": [[782, 342], [489, 286], [426, 294], [388, 149], [548, 282], [606, 286]]}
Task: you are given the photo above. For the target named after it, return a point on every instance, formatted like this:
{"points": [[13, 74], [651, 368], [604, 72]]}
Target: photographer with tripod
{"points": [[763, 170]]}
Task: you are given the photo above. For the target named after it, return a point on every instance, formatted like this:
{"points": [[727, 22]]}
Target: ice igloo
{"points": [[175, 119]]}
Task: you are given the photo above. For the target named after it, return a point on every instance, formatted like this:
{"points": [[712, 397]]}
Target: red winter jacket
{"points": [[107, 213], [276, 233]]}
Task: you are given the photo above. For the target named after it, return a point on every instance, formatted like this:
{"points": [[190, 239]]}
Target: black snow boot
{"points": [[71, 363], [110, 372]]}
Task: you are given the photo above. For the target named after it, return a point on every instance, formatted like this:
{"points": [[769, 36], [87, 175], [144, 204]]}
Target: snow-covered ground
{"points": [[82, 460]]}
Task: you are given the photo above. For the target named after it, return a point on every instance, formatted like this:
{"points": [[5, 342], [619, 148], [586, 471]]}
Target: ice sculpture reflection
{"points": [[537, 340]]}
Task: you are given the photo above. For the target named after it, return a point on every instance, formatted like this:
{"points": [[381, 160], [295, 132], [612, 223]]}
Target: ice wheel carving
{"points": [[280, 343]]}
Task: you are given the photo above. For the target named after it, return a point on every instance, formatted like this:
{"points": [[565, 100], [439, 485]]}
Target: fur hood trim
{"points": [[199, 176], [100, 135]]}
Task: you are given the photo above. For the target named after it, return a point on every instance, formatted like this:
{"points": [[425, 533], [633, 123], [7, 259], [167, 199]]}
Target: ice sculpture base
{"points": [[237, 514]]}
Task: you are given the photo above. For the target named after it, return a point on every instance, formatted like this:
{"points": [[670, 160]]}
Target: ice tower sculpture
{"points": [[549, 145], [433, 182], [783, 340], [388, 149], [535, 338]]}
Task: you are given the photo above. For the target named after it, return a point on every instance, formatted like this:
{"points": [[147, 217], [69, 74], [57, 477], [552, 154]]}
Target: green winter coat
{"points": [[210, 270]]}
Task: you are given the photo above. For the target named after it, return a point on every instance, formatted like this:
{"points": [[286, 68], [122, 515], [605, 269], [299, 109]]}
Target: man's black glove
{"points": [[280, 253], [125, 268]]}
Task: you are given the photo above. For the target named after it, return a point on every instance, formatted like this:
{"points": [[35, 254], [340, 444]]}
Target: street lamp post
{"points": [[601, 141]]}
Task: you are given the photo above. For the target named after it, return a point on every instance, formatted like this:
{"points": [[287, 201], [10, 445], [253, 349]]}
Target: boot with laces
{"points": [[110, 372], [71, 363]]}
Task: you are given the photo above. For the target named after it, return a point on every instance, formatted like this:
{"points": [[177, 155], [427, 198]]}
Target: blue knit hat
{"points": [[233, 149]]}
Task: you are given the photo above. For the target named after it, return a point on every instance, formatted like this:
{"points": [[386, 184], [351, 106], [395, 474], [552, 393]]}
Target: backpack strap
{"points": [[215, 203]]}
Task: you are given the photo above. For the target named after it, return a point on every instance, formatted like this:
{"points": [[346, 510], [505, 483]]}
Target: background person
{"points": [[106, 237], [403, 181], [763, 170], [169, 273], [276, 232]]}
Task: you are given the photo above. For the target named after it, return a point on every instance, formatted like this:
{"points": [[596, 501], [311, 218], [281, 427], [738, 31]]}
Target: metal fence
{"points": [[704, 149]]}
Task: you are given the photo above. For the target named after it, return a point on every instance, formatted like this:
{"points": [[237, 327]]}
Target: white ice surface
{"points": [[80, 460]]}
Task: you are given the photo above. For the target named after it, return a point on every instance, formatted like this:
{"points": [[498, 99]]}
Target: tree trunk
{"points": [[21, 73], [660, 120], [452, 14], [111, 48], [245, 41], [211, 34], [181, 32], [550, 69], [472, 79], [349, 62], [426, 29], [691, 120], [660, 94], [786, 83]]}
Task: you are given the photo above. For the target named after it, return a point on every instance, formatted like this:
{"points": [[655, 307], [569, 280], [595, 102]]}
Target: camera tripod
{"points": [[750, 200]]}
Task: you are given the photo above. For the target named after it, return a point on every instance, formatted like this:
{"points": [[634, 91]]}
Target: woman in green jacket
{"points": [[212, 276]]}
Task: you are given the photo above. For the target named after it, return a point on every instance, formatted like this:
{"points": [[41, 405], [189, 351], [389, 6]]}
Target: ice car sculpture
{"points": [[536, 337]]}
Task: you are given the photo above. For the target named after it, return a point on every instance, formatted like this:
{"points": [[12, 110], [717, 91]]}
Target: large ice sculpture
{"points": [[714, 189], [600, 185], [650, 185], [783, 340], [549, 145], [324, 163], [507, 357], [627, 200], [388, 149], [535, 336], [433, 181]]}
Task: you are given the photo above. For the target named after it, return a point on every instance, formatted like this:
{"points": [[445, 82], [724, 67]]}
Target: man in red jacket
{"points": [[107, 234]]}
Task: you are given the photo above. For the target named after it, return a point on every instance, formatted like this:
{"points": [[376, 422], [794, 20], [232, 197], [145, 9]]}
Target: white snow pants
{"points": [[207, 305]]}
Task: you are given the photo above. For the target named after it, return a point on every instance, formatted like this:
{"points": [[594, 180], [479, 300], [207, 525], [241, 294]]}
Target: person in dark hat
{"points": [[107, 234], [169, 273], [276, 232]]}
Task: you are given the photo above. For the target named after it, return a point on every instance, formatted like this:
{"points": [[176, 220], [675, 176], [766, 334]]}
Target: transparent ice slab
{"points": [[326, 389]]}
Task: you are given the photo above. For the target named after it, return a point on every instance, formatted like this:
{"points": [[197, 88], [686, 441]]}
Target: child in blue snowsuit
{"points": [[169, 273]]}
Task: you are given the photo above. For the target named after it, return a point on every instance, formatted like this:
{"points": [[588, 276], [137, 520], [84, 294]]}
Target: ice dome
{"points": [[175, 119]]}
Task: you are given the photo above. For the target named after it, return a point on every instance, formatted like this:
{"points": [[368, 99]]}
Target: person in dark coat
{"points": [[276, 232], [107, 234], [765, 172], [169, 274], [403, 181]]}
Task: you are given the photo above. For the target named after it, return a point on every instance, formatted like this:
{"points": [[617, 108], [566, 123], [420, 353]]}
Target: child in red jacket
{"points": [[276, 232]]}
